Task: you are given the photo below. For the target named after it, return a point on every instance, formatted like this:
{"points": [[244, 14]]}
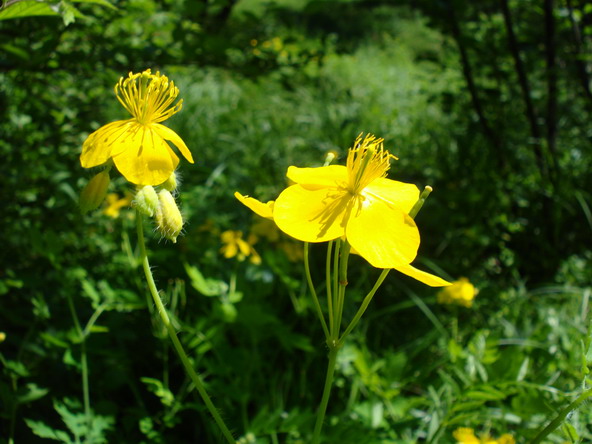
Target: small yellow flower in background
{"points": [[461, 292], [466, 435], [506, 438], [356, 202], [115, 204], [266, 229], [138, 146], [236, 246], [2, 336]]}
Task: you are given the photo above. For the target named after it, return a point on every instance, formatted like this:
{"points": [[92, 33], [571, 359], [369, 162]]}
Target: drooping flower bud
{"points": [[146, 200], [171, 183], [169, 221], [94, 192]]}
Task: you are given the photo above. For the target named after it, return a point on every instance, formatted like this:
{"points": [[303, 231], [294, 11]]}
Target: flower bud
{"points": [[146, 200], [94, 192], [169, 221], [171, 183]]}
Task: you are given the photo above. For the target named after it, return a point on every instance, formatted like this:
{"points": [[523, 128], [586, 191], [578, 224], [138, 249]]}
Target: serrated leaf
{"points": [[27, 8], [44, 431], [96, 2], [32, 393], [206, 286], [158, 388]]}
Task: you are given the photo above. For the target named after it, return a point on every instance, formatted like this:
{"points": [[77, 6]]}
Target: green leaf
{"points": [[206, 286], [157, 387], [28, 8], [97, 2], [44, 431], [32, 392]]}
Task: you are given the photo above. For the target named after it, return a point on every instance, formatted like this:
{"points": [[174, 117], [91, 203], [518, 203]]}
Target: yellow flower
{"points": [[465, 435], [506, 438], [356, 202], [115, 203], [461, 292], [236, 246], [138, 145]]}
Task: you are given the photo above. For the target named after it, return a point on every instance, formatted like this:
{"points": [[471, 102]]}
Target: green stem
{"points": [[365, 304], [313, 292], [173, 334], [326, 392], [84, 365], [335, 291], [561, 417], [329, 285], [342, 281]]}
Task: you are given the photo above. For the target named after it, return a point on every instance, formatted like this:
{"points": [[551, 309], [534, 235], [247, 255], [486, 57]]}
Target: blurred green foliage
{"points": [[267, 85]]}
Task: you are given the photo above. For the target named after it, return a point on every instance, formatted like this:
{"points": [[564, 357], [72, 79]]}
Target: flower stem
{"points": [[561, 417], [195, 378], [83, 364], [364, 305], [326, 392], [313, 292]]}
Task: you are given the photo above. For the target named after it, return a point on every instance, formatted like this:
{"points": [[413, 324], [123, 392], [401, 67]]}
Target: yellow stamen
{"points": [[148, 97], [366, 161]]}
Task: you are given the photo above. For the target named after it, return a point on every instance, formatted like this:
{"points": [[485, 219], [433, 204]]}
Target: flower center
{"points": [[148, 97], [366, 161]]}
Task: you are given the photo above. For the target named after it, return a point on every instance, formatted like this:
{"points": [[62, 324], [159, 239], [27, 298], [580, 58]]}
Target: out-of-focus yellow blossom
{"points": [[466, 435], [236, 246], [461, 292], [115, 204], [293, 250], [2, 336], [506, 438], [267, 229], [138, 146], [356, 202]]}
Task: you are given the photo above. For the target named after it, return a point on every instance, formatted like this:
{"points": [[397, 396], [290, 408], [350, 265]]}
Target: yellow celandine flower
{"points": [[115, 204], [461, 292], [466, 435], [236, 246], [138, 146], [355, 202]]}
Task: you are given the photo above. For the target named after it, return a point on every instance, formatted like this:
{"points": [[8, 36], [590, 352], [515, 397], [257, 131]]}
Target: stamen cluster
{"points": [[148, 97]]}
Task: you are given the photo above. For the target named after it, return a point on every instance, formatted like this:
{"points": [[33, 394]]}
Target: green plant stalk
{"points": [[173, 334], [329, 285], [561, 417], [365, 304], [84, 365], [326, 392], [313, 292]]}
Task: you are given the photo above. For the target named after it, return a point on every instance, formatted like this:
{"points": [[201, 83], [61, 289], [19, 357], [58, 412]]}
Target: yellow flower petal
{"points": [[401, 194], [168, 134], [311, 215], [322, 177], [258, 207], [422, 276], [96, 149], [465, 435], [506, 438], [143, 157], [382, 234]]}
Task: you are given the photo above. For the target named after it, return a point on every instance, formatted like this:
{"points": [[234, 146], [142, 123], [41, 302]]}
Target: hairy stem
{"points": [[195, 378]]}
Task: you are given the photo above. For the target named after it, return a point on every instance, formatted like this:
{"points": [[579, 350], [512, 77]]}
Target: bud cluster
{"points": [[162, 207]]}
